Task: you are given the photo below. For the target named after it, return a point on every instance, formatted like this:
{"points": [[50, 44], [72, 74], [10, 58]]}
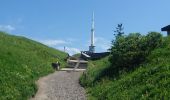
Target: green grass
{"points": [[94, 72], [151, 80], [22, 62], [78, 55]]}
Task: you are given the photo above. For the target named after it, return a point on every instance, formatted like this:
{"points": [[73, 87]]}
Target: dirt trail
{"points": [[61, 85]]}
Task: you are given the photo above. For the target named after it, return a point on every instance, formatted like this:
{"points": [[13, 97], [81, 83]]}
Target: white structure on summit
{"points": [[90, 54], [92, 47]]}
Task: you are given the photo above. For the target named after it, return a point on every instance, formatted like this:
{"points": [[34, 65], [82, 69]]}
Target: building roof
{"points": [[166, 28]]}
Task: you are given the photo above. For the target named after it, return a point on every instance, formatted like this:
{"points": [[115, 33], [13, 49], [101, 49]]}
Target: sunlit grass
{"points": [[150, 80], [22, 62]]}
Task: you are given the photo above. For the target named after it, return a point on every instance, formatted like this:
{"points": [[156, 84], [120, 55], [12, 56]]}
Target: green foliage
{"points": [[94, 71], [150, 79], [129, 51], [119, 30], [22, 62], [78, 55]]}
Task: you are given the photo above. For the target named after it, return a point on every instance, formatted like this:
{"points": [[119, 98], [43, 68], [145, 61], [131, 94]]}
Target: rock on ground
{"points": [[61, 85]]}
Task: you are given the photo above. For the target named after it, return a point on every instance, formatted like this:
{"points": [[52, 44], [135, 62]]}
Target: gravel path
{"points": [[61, 85]]}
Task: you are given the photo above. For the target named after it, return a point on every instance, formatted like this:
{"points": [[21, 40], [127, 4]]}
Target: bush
{"points": [[129, 51], [149, 80]]}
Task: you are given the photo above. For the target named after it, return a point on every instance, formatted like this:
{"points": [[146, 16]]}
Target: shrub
{"points": [[129, 51]]}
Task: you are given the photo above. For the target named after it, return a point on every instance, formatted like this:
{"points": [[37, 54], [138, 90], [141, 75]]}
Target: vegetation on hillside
{"points": [[94, 72], [78, 55], [22, 62], [138, 68], [127, 52]]}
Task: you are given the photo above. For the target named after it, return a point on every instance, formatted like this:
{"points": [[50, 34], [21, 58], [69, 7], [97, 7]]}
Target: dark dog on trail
{"points": [[56, 65]]}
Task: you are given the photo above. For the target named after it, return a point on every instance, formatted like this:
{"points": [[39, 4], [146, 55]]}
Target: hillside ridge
{"points": [[148, 80], [22, 62]]}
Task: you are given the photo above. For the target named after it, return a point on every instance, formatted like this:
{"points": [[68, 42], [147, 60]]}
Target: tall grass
{"points": [[150, 80], [94, 72], [22, 62]]}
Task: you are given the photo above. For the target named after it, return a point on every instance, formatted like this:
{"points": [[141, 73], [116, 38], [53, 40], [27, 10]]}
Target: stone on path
{"points": [[61, 85]]}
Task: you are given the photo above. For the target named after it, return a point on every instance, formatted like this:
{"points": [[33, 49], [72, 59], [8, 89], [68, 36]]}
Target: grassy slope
{"points": [[150, 80], [22, 61], [94, 71]]}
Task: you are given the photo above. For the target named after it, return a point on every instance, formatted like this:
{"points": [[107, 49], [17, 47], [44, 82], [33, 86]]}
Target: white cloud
{"points": [[59, 44], [56, 42], [7, 28], [101, 43], [70, 50], [53, 42]]}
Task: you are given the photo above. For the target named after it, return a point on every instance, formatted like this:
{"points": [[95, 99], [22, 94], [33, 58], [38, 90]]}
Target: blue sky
{"points": [[59, 23]]}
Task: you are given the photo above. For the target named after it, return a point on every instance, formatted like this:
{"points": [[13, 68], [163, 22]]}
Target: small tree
{"points": [[117, 33], [119, 30]]}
